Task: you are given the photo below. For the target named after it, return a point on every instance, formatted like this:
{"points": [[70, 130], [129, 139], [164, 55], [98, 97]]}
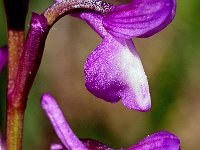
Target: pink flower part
{"points": [[113, 71], [60, 125], [158, 141], [140, 18]]}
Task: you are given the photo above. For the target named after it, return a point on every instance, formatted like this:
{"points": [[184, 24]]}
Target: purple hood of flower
{"points": [[140, 18], [113, 71], [160, 141], [3, 56]]}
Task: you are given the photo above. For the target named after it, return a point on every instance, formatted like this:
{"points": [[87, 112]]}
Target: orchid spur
{"points": [[158, 141]]}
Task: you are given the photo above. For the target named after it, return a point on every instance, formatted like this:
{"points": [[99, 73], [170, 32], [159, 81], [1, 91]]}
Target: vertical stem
{"points": [[15, 118], [15, 108], [16, 11], [15, 46]]}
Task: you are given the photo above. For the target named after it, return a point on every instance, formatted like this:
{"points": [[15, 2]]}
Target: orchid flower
{"points": [[3, 57], [160, 141], [113, 71]]}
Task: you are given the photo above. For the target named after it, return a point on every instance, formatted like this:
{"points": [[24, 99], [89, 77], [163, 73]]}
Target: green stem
{"points": [[15, 118], [15, 107]]}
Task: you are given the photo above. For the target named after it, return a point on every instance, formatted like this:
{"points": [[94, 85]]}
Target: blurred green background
{"points": [[171, 60]]}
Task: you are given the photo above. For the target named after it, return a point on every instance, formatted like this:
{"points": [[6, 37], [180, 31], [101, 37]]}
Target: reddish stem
{"points": [[15, 110], [16, 12], [25, 59]]}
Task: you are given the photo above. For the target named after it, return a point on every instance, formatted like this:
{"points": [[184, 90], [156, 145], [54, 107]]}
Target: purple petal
{"points": [[94, 20], [158, 141], [114, 71], [140, 18], [57, 147], [94, 145], [61, 127], [3, 56], [89, 143]]}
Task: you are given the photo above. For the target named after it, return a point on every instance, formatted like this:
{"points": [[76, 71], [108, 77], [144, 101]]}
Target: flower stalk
{"points": [[15, 112], [15, 118], [16, 12]]}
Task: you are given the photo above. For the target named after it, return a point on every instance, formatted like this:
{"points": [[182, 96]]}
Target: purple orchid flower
{"points": [[113, 71], [160, 141], [3, 56]]}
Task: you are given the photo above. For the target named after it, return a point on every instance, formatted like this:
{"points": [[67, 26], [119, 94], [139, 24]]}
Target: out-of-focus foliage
{"points": [[171, 61]]}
